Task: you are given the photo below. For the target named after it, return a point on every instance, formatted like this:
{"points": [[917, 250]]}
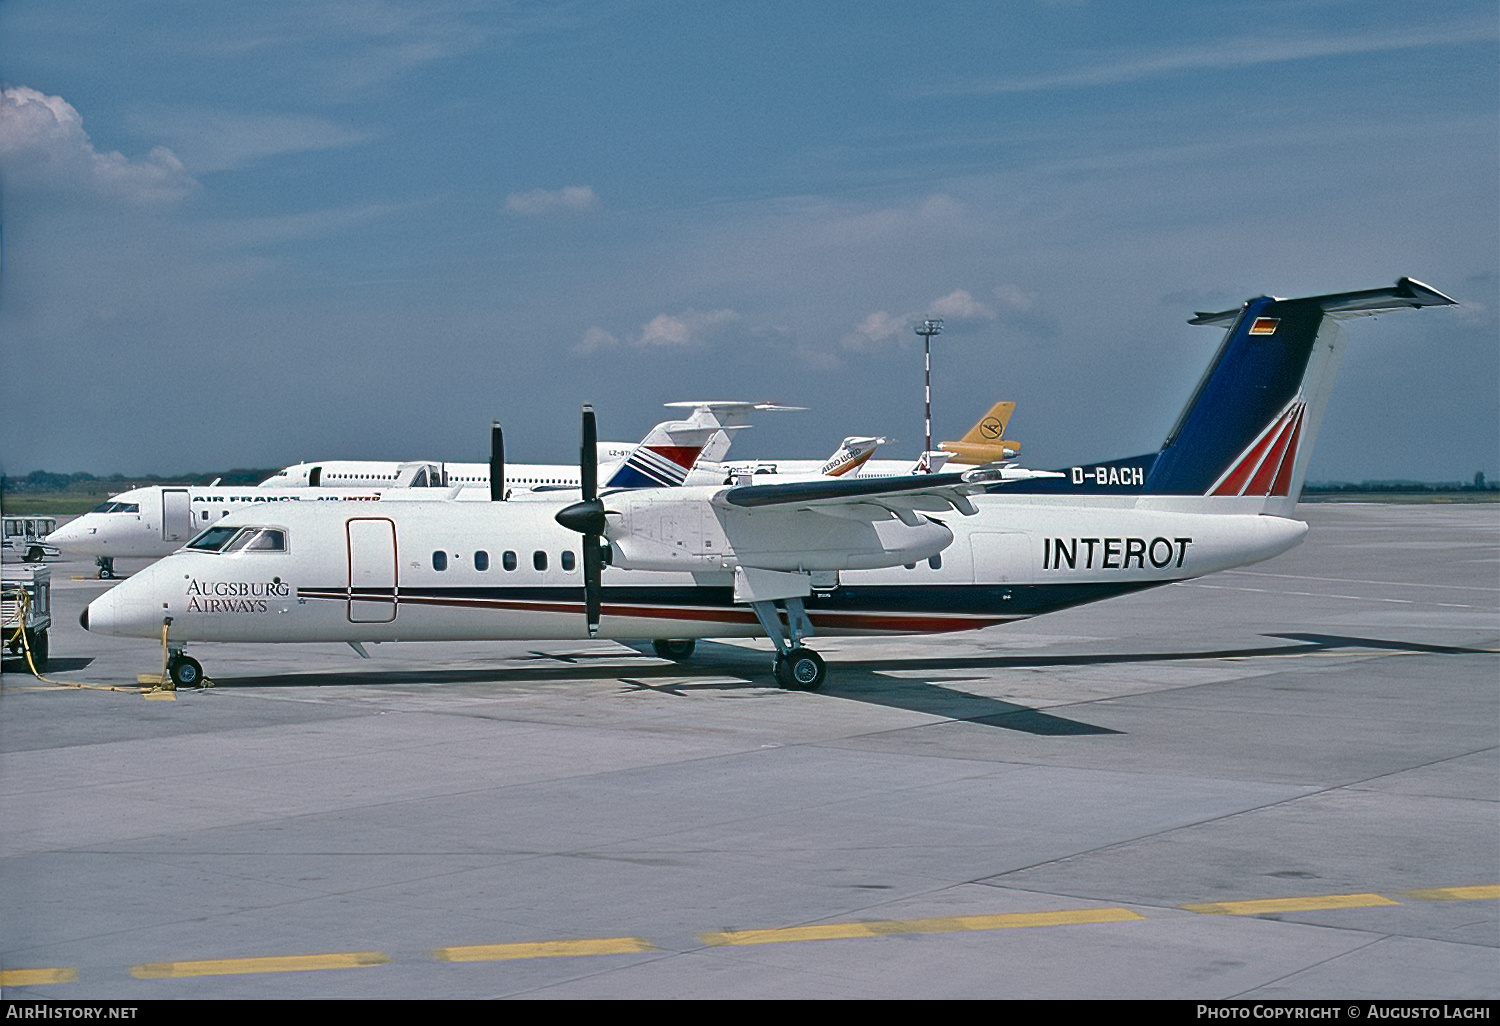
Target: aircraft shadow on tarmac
{"points": [[858, 680], [56, 664]]}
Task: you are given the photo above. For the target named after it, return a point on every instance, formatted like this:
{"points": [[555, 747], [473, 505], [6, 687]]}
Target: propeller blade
{"points": [[497, 462], [593, 569], [587, 518], [588, 456]]}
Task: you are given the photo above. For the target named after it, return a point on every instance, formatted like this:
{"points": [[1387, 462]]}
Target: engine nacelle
{"points": [[665, 530]]}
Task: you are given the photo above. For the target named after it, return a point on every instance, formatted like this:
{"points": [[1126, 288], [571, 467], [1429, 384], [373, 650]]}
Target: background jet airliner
{"points": [[986, 441], [917, 554], [159, 519], [723, 417], [983, 444]]}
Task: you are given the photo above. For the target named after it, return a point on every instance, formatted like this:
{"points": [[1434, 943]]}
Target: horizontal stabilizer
{"points": [[1406, 294]]}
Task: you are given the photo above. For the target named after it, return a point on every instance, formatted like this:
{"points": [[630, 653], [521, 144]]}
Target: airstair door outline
{"points": [[176, 515], [373, 590]]}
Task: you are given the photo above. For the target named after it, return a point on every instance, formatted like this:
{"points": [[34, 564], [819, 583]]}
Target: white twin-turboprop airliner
{"points": [[905, 555]]}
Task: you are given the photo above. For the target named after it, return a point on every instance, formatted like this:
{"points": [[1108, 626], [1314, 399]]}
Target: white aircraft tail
{"points": [[851, 454]]}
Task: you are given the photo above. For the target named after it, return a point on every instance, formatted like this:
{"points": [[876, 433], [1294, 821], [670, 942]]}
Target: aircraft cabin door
{"points": [[176, 515], [373, 592]]}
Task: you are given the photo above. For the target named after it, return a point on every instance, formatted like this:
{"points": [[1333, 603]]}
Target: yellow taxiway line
{"points": [[827, 931], [894, 927], [544, 949], [244, 966], [1313, 904], [1456, 894], [36, 977]]}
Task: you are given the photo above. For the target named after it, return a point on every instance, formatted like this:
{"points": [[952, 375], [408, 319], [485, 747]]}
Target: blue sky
{"points": [[245, 235]]}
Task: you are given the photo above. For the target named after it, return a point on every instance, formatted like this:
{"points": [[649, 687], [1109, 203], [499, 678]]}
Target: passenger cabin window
{"points": [[481, 560], [539, 559], [508, 560], [440, 560], [568, 561], [935, 562]]}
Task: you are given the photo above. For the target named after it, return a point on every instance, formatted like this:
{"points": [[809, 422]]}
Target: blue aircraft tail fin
{"points": [[1249, 428]]}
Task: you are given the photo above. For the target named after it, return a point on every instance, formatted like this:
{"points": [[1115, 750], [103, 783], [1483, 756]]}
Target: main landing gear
{"points": [[796, 668], [800, 669], [677, 651]]}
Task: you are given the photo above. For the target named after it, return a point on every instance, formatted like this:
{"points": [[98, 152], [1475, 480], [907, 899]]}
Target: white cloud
{"points": [[664, 331], [212, 140], [875, 332], [688, 328], [1013, 297], [595, 339], [881, 330], [574, 199], [1238, 52], [958, 305], [43, 147]]}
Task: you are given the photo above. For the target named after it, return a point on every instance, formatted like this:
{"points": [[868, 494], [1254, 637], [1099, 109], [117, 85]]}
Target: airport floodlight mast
{"points": [[927, 329]]}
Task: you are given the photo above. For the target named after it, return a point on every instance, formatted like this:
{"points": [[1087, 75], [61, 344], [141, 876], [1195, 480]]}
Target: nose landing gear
{"points": [[185, 671]]}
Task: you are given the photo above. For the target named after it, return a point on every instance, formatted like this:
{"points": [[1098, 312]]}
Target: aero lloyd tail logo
{"points": [[847, 460], [1265, 325], [1265, 467]]}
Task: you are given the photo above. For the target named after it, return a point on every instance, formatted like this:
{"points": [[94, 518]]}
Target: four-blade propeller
{"points": [[587, 518]]}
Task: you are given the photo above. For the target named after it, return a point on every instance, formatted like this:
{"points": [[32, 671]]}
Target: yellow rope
{"points": [[20, 634]]}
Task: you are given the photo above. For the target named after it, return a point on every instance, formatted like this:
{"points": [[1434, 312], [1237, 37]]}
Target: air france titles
{"points": [[1113, 553], [233, 596]]}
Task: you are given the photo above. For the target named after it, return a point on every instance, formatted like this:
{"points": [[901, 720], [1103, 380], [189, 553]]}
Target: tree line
{"points": [[39, 481]]}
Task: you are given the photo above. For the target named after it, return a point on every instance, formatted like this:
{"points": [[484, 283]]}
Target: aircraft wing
{"points": [[898, 495]]}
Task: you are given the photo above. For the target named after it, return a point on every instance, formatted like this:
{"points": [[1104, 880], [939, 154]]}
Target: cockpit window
{"points": [[240, 539], [118, 507], [269, 539], [214, 539], [258, 539]]}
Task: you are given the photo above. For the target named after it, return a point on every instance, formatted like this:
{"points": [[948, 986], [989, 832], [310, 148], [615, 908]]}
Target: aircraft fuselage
{"points": [[497, 571]]}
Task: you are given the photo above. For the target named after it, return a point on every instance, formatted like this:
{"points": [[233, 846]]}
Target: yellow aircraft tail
{"points": [[986, 441]]}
